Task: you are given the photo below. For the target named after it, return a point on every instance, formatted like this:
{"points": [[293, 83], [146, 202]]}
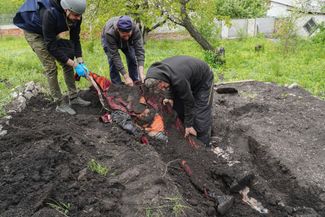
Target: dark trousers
{"points": [[202, 110], [132, 66]]}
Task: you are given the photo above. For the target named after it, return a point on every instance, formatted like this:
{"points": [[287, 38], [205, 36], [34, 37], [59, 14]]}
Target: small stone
{"points": [[28, 95], [193, 202], [11, 111], [21, 101], [14, 94], [225, 203], [8, 117], [211, 211], [293, 85], [129, 175], [82, 174], [30, 86], [3, 132], [109, 205], [289, 209]]}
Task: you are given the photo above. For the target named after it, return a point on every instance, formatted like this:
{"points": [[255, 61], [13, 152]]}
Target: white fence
{"points": [[247, 27], [252, 27]]}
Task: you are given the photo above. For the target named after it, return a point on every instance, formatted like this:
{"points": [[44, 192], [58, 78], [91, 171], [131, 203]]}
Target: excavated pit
{"points": [[45, 156]]}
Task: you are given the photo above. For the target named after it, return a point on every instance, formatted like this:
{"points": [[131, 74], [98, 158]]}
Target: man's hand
{"points": [[85, 68], [80, 60], [81, 72], [141, 74], [170, 101], [190, 131], [128, 81]]}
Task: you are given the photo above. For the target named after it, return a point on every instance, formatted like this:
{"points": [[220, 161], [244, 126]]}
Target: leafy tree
{"points": [[142, 11], [190, 13], [241, 8]]}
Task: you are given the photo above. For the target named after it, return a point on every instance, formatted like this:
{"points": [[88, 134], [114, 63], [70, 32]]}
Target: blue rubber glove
{"points": [[85, 68], [80, 70]]}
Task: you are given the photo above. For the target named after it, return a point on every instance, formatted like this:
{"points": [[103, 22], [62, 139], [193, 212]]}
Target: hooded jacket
{"points": [[185, 75], [111, 42], [47, 18]]}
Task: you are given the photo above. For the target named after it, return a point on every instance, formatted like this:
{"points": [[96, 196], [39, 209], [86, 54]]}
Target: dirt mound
{"points": [[47, 161]]}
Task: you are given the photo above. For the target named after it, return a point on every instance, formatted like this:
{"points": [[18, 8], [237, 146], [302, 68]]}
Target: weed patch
{"points": [[97, 168]]}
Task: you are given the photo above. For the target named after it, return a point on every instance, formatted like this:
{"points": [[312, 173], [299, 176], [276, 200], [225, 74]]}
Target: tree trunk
{"points": [[196, 34], [186, 22]]}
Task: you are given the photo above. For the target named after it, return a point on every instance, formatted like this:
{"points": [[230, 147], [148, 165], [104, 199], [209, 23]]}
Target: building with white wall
{"points": [[310, 16]]}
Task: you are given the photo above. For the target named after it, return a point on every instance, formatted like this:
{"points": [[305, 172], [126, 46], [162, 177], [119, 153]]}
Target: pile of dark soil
{"points": [[45, 157]]}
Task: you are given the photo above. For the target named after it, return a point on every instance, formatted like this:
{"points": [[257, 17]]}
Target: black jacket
{"points": [[47, 17], [111, 42], [53, 25], [185, 75]]}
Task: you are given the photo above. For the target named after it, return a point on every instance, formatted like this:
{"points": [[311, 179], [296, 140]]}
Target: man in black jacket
{"points": [[42, 22], [188, 85], [122, 33]]}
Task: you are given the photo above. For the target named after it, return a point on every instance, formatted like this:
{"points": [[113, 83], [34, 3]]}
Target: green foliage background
{"points": [[10, 6], [241, 8]]}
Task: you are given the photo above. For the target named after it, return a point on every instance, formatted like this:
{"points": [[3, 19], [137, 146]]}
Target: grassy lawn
{"points": [[305, 65]]}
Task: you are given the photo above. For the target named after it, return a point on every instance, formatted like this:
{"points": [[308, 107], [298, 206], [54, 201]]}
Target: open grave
{"points": [[268, 155]]}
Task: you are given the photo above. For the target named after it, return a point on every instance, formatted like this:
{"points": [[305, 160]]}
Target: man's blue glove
{"points": [[85, 68], [80, 70]]}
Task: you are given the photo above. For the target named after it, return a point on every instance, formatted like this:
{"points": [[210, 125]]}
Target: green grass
{"points": [[305, 65], [95, 167], [175, 204], [61, 207]]}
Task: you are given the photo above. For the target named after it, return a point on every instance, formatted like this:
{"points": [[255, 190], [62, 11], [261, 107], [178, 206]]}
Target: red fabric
{"points": [[153, 103], [192, 142], [76, 77], [117, 103], [186, 168], [144, 140], [111, 100], [102, 82], [106, 118]]}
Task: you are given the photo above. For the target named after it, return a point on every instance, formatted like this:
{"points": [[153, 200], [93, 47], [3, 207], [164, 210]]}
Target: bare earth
{"points": [[275, 133]]}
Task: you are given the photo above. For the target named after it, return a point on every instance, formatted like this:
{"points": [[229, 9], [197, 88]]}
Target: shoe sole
{"points": [[61, 111]]}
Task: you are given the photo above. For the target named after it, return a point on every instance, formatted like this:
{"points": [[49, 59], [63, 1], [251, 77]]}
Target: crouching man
{"points": [[121, 33], [188, 86], [42, 22]]}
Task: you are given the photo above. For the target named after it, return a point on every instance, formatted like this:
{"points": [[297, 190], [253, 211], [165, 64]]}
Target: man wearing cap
{"points": [[42, 22], [187, 83], [122, 33]]}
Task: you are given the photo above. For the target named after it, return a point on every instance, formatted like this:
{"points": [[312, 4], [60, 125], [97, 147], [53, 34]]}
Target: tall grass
{"points": [[304, 65]]}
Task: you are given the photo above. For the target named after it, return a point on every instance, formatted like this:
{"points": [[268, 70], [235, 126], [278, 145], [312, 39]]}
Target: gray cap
{"points": [[77, 6], [151, 82]]}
